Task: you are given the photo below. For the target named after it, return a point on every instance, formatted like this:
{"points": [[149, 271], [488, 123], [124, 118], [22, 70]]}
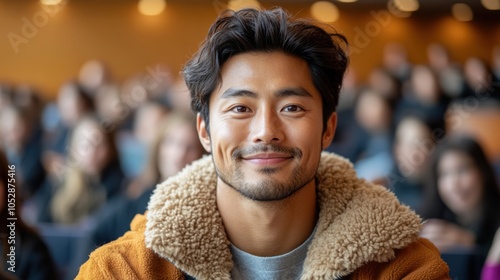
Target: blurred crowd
{"points": [[88, 161]]}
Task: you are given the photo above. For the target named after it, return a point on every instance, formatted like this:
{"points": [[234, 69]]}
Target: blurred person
{"points": [[133, 145], [346, 141], [496, 65], [491, 269], [110, 108], [32, 260], [176, 145], [92, 75], [495, 71], [424, 97], [73, 104], [5, 96], [21, 139], [374, 113], [478, 81], [413, 143], [386, 84], [449, 73], [90, 176], [179, 96], [395, 61], [27, 97], [350, 138], [349, 91], [268, 203], [158, 82], [461, 202]]}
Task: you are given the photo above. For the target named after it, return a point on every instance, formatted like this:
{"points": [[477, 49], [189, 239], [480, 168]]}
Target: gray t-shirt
{"points": [[287, 266]]}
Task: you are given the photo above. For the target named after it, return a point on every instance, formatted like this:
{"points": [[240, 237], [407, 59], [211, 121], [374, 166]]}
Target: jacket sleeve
{"points": [[419, 260], [128, 258]]}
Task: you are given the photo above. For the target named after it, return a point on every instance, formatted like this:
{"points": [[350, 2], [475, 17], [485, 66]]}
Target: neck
{"points": [[267, 228]]}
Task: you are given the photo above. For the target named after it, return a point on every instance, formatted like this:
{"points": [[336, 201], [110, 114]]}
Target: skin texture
{"points": [[266, 139]]}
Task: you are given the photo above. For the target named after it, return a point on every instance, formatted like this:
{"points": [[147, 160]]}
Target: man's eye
{"points": [[292, 108], [240, 109]]}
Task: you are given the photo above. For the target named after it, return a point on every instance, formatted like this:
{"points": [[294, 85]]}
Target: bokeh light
{"points": [[407, 5], [237, 5], [151, 7], [491, 4], [325, 11], [462, 12], [51, 2]]}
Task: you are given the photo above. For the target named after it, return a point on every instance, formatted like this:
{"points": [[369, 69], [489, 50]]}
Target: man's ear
{"points": [[331, 125], [203, 133]]}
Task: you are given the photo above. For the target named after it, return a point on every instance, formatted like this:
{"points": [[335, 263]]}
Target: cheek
{"points": [[226, 135], [473, 181], [445, 187], [308, 139]]}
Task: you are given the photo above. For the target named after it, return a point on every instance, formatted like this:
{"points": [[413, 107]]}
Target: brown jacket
{"points": [[363, 232]]}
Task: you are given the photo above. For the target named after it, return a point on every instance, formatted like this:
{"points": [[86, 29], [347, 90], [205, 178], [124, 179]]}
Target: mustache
{"points": [[238, 153]]}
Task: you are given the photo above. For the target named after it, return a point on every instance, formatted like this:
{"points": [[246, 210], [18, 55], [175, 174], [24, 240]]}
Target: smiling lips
{"points": [[267, 158]]}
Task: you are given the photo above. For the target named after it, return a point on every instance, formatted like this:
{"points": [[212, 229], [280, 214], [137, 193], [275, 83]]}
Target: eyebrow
{"points": [[294, 91]]}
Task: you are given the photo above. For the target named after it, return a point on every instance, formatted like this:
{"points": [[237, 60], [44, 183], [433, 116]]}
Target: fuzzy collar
{"points": [[358, 223]]}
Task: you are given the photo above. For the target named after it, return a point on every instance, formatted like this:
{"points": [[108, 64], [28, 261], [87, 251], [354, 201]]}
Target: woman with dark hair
{"points": [[32, 259], [90, 176], [462, 199]]}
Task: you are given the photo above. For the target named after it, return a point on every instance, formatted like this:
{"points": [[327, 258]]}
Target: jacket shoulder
{"points": [[419, 260], [128, 258]]}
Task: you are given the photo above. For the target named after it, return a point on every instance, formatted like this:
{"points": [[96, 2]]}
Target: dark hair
{"points": [[251, 30], [84, 96], [433, 205]]}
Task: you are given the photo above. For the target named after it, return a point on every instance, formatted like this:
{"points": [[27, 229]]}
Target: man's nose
{"points": [[267, 127]]}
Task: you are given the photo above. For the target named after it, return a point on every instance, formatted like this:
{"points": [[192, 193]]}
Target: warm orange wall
{"points": [[115, 32]]}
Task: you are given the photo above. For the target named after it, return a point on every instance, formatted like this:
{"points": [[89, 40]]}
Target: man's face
{"points": [[266, 126]]}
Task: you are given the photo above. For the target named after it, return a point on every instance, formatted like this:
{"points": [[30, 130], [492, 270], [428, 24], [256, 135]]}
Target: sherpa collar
{"points": [[358, 223]]}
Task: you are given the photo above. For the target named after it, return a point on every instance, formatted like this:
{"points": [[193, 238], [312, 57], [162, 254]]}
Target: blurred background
{"points": [[93, 114], [62, 37]]}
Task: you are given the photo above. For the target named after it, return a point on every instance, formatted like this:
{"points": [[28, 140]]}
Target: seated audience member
{"points": [[384, 83], [479, 81], [424, 96], [413, 144], [395, 60], [92, 75], [491, 269], [73, 104], [32, 257], [5, 95], [449, 73], [461, 202], [374, 114], [350, 138], [110, 107], [133, 145], [349, 91], [20, 138], [90, 176], [175, 146], [495, 58]]}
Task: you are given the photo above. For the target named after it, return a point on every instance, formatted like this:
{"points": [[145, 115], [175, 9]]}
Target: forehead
{"points": [[262, 72]]}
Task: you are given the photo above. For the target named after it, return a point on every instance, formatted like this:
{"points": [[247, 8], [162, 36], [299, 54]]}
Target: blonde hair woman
{"points": [[91, 175]]}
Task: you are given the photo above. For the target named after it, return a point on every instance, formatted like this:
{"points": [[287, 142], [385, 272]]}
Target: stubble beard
{"points": [[268, 189]]}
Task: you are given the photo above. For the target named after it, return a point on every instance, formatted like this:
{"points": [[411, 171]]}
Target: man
{"points": [[267, 204]]}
